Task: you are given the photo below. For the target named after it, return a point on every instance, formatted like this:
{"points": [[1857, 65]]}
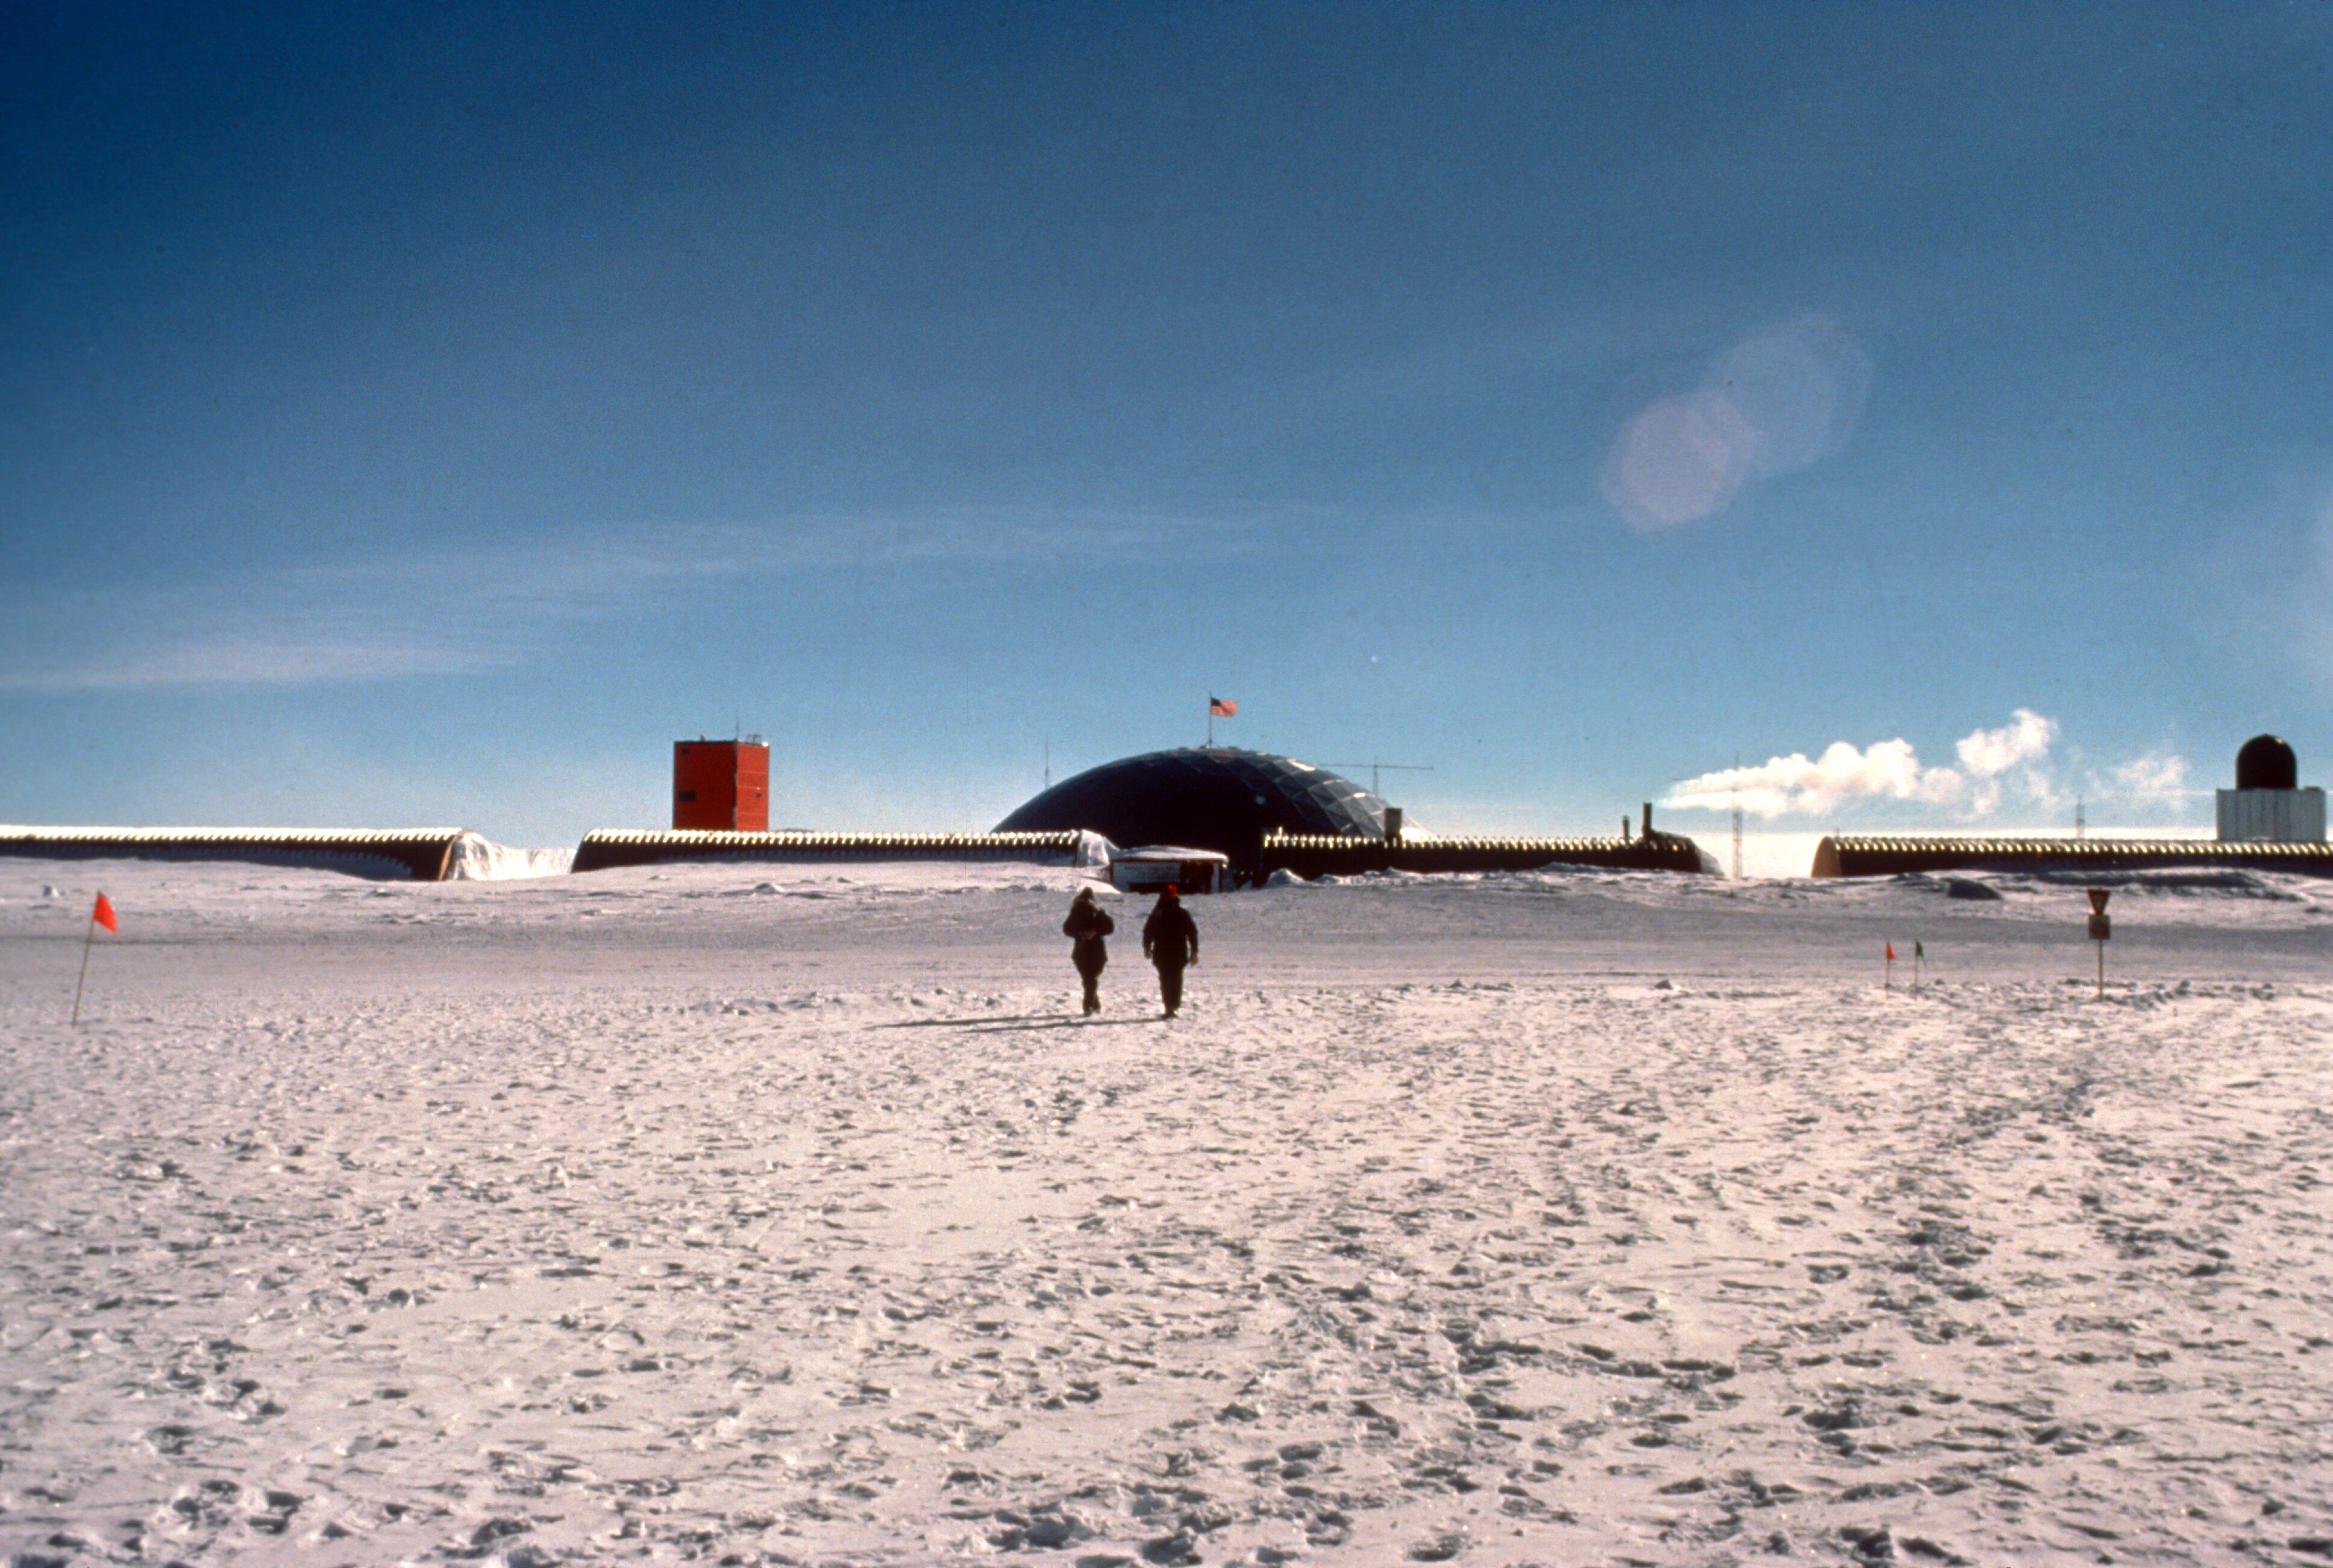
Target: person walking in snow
{"points": [[1087, 923], [1170, 941]]}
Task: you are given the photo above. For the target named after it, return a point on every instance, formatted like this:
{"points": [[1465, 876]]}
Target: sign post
{"points": [[2101, 929]]}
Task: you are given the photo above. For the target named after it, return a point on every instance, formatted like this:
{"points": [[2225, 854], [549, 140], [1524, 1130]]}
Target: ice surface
{"points": [[480, 859], [790, 1214]]}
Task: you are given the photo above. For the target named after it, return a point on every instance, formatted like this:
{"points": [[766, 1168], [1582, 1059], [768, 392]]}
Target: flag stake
{"points": [[99, 914], [84, 971]]}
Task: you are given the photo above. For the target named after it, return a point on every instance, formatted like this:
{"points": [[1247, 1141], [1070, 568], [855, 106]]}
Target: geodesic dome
{"points": [[1204, 797]]}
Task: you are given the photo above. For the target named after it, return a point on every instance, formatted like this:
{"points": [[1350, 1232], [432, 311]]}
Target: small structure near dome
{"points": [[721, 786], [1156, 866], [2267, 806]]}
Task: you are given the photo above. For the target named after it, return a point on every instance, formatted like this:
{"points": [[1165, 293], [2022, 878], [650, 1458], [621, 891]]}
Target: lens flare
{"points": [[1781, 399]]}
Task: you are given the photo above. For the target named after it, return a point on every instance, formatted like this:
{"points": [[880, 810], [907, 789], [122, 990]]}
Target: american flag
{"points": [[1219, 709]]}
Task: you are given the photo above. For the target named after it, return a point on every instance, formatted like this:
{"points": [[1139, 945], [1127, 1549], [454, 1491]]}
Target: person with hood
{"points": [[1087, 923], [1170, 941]]}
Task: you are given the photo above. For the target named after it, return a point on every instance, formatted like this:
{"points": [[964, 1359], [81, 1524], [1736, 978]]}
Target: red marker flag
{"points": [[103, 915], [1891, 952]]}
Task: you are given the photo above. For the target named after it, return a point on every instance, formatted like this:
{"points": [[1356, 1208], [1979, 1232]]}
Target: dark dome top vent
{"points": [[2266, 762]]}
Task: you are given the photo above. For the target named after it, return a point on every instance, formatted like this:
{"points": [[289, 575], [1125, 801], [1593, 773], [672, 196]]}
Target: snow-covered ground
{"points": [[791, 1214]]}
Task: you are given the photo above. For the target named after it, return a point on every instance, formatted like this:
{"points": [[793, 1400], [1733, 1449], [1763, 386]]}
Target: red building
{"points": [[724, 785]]}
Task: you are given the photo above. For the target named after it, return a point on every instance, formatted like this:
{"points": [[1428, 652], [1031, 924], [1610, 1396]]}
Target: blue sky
{"points": [[427, 416]]}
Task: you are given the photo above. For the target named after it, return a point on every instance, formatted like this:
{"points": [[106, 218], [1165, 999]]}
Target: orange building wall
{"points": [[723, 786]]}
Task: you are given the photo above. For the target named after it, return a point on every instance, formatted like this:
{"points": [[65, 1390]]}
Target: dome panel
{"points": [[1204, 797]]}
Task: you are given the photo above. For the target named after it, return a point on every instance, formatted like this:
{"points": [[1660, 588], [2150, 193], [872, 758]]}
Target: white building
{"points": [[2267, 806]]}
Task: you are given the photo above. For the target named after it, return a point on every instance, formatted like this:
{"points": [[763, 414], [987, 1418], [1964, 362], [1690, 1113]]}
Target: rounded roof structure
{"points": [[2266, 762], [1203, 798]]}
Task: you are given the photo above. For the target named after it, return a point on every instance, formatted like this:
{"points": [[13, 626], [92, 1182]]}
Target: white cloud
{"points": [[2022, 744], [2027, 739], [1886, 770], [1794, 785], [2007, 769]]}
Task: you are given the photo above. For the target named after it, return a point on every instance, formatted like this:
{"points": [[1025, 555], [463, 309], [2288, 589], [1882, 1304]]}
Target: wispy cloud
{"points": [[200, 662], [2261, 591], [440, 611], [2155, 782], [2011, 767], [2299, 600], [244, 628]]}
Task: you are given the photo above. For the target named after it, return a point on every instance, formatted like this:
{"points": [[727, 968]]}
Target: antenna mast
{"points": [[1737, 816], [1373, 767]]}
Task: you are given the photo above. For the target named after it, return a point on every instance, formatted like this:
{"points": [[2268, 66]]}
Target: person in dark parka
{"points": [[1170, 941], [1088, 922]]}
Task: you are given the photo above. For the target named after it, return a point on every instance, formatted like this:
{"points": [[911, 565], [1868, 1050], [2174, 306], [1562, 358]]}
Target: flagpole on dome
{"points": [[1216, 705]]}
